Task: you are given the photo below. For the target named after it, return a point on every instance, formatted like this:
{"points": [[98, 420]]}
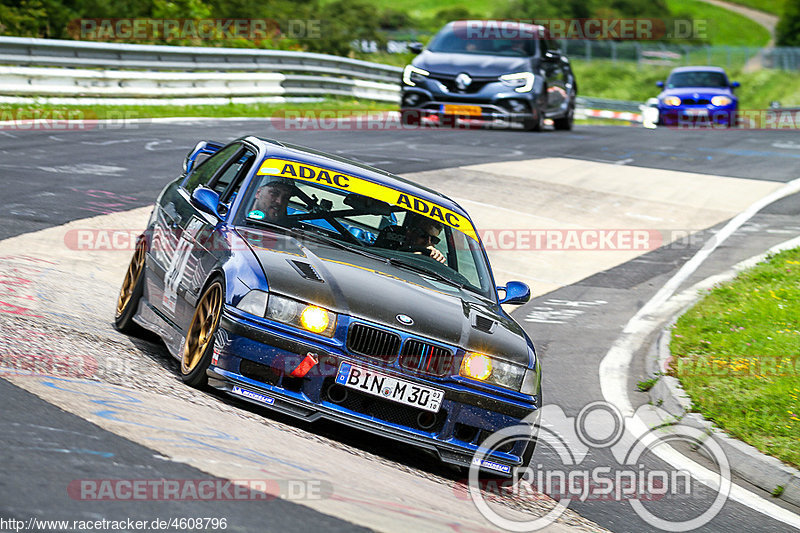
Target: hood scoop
{"points": [[482, 323], [306, 270]]}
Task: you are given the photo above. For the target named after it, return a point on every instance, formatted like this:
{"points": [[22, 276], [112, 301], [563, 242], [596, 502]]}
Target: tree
{"points": [[788, 29]]}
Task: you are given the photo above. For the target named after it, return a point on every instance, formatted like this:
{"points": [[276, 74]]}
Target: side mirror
{"points": [[660, 84], [516, 293], [206, 200], [188, 163], [734, 84], [415, 47]]}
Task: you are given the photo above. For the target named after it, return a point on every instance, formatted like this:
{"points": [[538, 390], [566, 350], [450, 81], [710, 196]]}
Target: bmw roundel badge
{"points": [[405, 320]]}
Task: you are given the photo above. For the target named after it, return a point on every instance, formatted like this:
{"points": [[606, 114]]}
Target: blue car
{"points": [[697, 96], [326, 289]]}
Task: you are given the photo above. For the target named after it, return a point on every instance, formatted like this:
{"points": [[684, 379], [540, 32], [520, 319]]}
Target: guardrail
{"points": [[46, 67]]}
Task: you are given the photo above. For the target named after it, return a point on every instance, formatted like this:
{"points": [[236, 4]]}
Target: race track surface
{"points": [[122, 413]]}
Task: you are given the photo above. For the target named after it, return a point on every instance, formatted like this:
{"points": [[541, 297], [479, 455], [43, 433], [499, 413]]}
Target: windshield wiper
{"points": [[428, 272]]}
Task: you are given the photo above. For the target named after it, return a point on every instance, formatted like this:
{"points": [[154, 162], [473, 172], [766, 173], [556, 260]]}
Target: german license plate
{"points": [[390, 388], [462, 110], [696, 112]]}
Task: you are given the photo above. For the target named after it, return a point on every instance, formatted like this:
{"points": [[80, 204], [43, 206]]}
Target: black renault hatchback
{"points": [[490, 72]]}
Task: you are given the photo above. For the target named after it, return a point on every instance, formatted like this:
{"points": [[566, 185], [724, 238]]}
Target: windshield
{"points": [[699, 78], [455, 41], [389, 233]]}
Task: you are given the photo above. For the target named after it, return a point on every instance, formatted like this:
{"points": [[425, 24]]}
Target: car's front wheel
{"points": [[131, 292], [534, 123], [199, 344], [565, 123]]}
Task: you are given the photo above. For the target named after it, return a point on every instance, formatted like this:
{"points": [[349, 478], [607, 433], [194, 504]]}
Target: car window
{"points": [[236, 170], [203, 174], [363, 222], [697, 79], [450, 41]]}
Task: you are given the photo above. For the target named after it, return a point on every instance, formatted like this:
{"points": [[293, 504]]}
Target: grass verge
{"points": [[333, 105], [737, 354], [724, 27]]}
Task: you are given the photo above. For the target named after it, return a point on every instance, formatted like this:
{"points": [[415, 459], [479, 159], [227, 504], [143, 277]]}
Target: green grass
{"points": [[737, 354], [770, 6], [627, 81], [337, 105], [725, 28]]}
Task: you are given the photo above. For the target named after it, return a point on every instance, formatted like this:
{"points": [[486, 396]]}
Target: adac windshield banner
{"points": [[301, 171]]}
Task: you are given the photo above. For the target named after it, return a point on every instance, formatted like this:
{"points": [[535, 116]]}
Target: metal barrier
{"points": [[149, 71]]}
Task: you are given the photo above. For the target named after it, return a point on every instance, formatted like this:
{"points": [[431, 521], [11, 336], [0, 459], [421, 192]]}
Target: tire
{"points": [[565, 123], [131, 292], [536, 123], [199, 344]]}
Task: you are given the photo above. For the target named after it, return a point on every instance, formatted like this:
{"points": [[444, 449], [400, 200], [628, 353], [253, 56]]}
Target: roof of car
{"points": [[314, 157], [699, 68]]}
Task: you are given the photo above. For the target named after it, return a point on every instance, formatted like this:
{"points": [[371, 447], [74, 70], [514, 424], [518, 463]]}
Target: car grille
{"points": [[693, 101], [373, 342], [450, 82], [425, 358], [416, 356]]}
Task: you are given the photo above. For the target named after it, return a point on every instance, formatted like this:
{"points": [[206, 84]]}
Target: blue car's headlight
{"points": [[301, 315], [672, 101], [482, 367], [287, 311], [720, 101]]}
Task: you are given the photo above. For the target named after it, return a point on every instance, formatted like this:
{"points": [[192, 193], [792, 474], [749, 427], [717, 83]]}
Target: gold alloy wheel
{"points": [[135, 270], [204, 322]]}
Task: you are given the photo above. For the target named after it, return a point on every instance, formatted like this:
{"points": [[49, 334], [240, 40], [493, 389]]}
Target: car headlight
{"points": [[482, 367], [672, 101], [720, 101], [522, 81], [413, 75], [254, 302], [287, 311]]}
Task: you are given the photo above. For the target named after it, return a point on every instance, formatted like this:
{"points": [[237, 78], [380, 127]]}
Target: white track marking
{"points": [[614, 367]]}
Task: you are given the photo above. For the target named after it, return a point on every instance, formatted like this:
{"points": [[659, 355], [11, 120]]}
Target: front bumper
{"points": [[704, 115], [252, 362]]}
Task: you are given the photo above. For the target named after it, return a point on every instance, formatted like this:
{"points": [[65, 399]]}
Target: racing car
{"points": [[323, 288], [697, 95]]}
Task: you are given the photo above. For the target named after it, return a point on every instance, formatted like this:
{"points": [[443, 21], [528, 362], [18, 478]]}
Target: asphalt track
{"points": [[51, 178]]}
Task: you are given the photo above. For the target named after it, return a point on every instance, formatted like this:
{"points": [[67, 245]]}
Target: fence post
{"points": [[588, 44], [613, 52]]}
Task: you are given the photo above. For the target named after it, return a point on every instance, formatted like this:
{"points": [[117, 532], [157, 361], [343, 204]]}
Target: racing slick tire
{"points": [[130, 293], [199, 343], [565, 123]]}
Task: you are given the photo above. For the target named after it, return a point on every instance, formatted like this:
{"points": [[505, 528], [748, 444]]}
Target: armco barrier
{"points": [[54, 68]]}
